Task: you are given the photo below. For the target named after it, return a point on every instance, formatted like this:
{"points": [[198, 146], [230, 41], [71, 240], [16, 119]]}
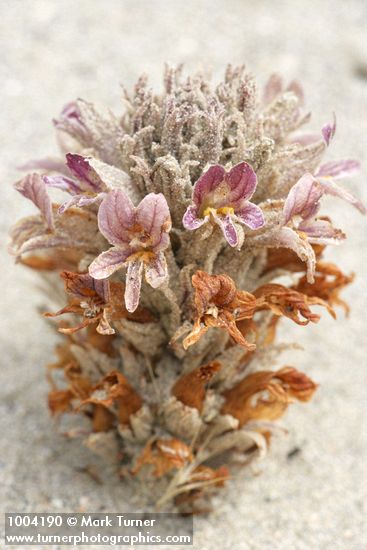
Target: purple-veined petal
{"points": [[116, 216], [190, 219], [153, 215], [288, 238], [242, 183], [251, 215], [75, 129], [79, 166], [63, 183], [70, 117], [48, 164], [156, 272], [303, 198], [102, 287], [331, 188], [77, 283], [24, 230], [328, 131], [163, 243], [228, 229], [70, 111], [80, 201], [108, 262], [207, 183], [338, 169], [33, 188], [321, 231], [133, 284]]}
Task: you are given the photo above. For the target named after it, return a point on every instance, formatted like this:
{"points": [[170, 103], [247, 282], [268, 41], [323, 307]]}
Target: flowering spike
{"points": [[177, 375]]}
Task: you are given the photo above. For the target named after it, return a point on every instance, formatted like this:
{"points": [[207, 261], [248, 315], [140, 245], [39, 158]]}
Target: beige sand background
{"points": [[55, 50]]}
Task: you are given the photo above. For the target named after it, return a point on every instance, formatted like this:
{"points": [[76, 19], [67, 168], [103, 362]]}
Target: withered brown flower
{"points": [[289, 303], [165, 455], [79, 386], [98, 302], [329, 281], [219, 304], [77, 394], [190, 388], [114, 390], [265, 395], [59, 401]]}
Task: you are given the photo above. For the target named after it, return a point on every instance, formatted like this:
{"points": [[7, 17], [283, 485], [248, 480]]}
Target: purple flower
{"points": [[33, 188], [222, 197], [321, 231], [88, 187], [304, 197], [304, 200], [139, 236], [338, 169], [70, 119]]}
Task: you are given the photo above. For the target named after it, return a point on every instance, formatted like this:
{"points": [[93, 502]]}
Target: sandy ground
{"points": [[55, 50]]}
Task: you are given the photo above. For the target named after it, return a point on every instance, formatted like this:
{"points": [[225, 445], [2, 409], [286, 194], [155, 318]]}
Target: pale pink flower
{"points": [[139, 236], [33, 188], [87, 186], [303, 200]]}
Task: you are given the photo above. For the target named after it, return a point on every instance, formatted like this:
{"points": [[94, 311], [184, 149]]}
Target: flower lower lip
{"points": [[144, 255]]}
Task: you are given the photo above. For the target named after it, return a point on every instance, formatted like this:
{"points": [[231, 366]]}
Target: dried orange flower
{"points": [[205, 474], [190, 388], [265, 395], [165, 455], [98, 302], [114, 391], [290, 303], [219, 304], [329, 281], [59, 401]]}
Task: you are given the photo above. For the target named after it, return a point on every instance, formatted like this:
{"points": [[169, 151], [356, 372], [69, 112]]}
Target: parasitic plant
{"points": [[187, 229]]}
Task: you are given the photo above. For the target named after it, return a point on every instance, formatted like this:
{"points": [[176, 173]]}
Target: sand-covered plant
{"points": [[186, 229]]}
